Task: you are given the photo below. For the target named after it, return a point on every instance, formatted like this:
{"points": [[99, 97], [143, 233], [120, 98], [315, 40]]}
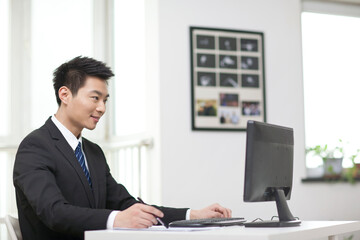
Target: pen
{"points": [[159, 220]]}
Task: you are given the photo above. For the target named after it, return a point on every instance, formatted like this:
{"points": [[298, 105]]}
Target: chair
{"points": [[13, 227]]}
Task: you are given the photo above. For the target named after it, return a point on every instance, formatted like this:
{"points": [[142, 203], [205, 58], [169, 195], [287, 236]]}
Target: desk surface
{"points": [[307, 230]]}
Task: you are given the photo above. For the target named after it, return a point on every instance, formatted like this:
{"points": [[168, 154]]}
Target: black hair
{"points": [[73, 74]]}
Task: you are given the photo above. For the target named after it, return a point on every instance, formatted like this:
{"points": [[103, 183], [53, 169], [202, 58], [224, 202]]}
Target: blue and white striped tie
{"points": [[80, 157]]}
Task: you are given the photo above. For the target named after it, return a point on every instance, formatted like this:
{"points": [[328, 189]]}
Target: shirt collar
{"points": [[68, 135]]}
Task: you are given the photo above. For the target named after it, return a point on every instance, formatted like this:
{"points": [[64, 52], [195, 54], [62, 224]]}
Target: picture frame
{"points": [[227, 78]]}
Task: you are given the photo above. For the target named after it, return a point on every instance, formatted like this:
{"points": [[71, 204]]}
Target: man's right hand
{"points": [[138, 216]]}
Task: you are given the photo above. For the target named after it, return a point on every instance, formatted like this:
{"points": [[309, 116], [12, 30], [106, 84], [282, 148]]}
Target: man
{"points": [[62, 181]]}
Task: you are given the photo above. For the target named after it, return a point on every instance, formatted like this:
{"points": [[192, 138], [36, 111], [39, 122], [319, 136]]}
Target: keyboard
{"points": [[208, 222]]}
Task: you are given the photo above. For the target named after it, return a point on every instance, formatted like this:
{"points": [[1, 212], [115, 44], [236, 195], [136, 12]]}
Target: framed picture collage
{"points": [[227, 78]]}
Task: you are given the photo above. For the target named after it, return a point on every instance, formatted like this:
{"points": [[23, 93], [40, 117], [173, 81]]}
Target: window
{"points": [[66, 33], [331, 56], [129, 58], [58, 31], [4, 103], [4, 66], [50, 33]]}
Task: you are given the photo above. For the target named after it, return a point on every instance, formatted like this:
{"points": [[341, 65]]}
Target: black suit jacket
{"points": [[54, 199]]}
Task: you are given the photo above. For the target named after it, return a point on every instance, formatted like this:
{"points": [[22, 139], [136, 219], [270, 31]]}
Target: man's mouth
{"points": [[96, 118]]}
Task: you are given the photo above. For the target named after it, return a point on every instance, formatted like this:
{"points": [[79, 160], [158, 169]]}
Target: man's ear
{"points": [[64, 94]]}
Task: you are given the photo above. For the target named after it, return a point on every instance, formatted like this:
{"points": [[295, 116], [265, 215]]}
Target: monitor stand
{"points": [[286, 219]]}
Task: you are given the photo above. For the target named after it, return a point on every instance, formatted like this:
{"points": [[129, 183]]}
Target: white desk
{"points": [[307, 230]]}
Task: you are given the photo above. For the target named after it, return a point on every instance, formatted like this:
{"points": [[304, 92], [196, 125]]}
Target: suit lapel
{"points": [[69, 155]]}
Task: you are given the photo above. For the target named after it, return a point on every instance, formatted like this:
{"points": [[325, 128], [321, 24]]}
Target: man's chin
{"points": [[91, 127]]}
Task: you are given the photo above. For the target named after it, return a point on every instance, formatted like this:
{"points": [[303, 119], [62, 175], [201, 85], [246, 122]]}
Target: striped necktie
{"points": [[80, 157]]}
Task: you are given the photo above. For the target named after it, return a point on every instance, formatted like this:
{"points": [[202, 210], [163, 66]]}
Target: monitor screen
{"points": [[269, 169]]}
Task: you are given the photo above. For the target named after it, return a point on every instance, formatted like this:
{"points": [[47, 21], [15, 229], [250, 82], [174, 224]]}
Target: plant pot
{"points": [[356, 170], [332, 167]]}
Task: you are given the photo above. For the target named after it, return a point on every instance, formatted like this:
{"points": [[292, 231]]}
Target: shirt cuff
{"points": [[188, 214], [111, 220]]}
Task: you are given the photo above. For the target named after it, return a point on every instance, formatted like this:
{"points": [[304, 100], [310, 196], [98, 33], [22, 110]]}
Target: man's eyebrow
{"points": [[99, 93]]}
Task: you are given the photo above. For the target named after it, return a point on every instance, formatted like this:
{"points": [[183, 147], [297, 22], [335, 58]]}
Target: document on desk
{"points": [[171, 229]]}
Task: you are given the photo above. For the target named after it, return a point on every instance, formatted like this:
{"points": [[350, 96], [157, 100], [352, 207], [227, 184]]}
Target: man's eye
{"points": [[95, 98]]}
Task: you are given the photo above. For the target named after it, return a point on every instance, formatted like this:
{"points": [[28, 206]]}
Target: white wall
{"points": [[199, 168]]}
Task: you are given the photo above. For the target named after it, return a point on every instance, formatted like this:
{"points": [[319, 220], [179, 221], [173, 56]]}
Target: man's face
{"points": [[87, 107]]}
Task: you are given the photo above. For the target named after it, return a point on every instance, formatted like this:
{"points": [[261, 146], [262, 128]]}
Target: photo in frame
{"points": [[227, 78]]}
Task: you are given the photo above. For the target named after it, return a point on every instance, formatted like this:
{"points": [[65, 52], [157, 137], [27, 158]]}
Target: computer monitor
{"points": [[269, 170]]}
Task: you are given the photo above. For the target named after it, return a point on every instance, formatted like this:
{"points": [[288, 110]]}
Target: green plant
{"points": [[349, 238], [353, 172], [326, 153]]}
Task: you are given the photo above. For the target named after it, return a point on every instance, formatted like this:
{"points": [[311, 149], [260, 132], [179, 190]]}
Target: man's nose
{"points": [[101, 107]]}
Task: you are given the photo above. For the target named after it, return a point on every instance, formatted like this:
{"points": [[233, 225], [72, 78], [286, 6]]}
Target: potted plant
{"points": [[332, 159], [353, 172]]}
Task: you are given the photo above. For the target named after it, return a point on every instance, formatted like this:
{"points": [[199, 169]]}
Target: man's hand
{"points": [[212, 211], [137, 216]]}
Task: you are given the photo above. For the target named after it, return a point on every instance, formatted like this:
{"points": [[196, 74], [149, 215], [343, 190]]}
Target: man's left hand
{"points": [[212, 211]]}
